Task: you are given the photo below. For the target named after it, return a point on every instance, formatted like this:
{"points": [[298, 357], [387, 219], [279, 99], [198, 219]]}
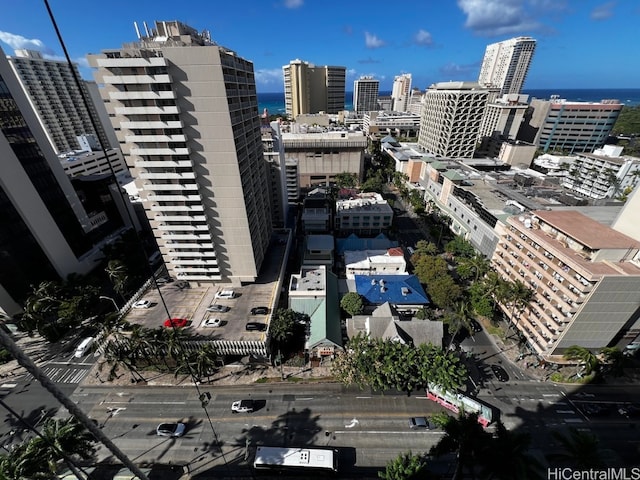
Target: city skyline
{"points": [[446, 43]]}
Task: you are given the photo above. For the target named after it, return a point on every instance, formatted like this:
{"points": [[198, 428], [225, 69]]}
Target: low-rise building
{"points": [[400, 124], [367, 213], [375, 262], [403, 292]]}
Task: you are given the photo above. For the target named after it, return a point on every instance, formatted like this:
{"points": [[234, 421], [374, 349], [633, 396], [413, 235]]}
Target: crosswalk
{"points": [[66, 373]]}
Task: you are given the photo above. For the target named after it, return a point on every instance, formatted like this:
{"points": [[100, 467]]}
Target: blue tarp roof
{"points": [[395, 289]]}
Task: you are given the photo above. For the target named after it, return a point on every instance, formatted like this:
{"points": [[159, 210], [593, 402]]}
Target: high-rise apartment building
{"points": [[505, 64], [452, 113], [501, 122], [186, 113], [585, 278], [365, 94], [58, 100], [401, 93], [558, 124], [43, 225], [312, 89]]}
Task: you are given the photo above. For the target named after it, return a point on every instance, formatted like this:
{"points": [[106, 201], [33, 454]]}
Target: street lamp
{"points": [[112, 300]]}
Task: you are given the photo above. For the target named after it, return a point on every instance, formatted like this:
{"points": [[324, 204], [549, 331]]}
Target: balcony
{"points": [[135, 79], [159, 151]]}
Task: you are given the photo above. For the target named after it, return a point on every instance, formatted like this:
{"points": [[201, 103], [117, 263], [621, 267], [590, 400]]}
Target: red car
{"points": [[175, 322]]}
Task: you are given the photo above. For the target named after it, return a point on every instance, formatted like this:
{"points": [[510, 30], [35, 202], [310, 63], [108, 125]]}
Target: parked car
{"points": [[218, 308], [171, 429], [242, 406], [475, 325], [142, 304], [176, 322], [500, 373], [420, 423], [211, 323], [253, 326], [225, 294], [259, 311]]}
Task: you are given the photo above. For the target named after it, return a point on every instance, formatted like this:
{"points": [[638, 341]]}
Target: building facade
{"points": [[401, 93], [95, 163], [366, 214], [505, 64], [43, 226], [585, 279], [274, 157], [186, 113], [452, 114], [58, 100], [570, 127], [501, 122], [312, 89], [365, 94], [391, 123], [320, 156]]}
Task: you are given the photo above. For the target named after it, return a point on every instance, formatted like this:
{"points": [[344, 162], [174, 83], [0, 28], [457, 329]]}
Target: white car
{"points": [[142, 304], [218, 308], [171, 429], [226, 294], [211, 322], [242, 406]]}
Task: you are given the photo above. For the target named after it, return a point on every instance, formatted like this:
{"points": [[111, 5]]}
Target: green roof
{"points": [[324, 313], [453, 175]]}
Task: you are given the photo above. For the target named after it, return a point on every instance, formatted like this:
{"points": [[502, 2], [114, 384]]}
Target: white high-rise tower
{"points": [[186, 113], [401, 93], [505, 64]]}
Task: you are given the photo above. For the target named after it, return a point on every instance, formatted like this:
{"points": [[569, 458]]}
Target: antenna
{"points": [[146, 29], [135, 24]]}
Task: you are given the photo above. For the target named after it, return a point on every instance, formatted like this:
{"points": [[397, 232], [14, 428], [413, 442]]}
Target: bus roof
{"points": [[295, 457]]}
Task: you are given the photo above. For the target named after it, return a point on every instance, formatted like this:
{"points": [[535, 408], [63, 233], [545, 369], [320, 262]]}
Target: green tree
{"points": [[514, 446], [118, 274], [458, 319], [352, 303], [62, 440], [460, 247], [587, 360], [472, 267], [614, 361], [426, 248], [579, 449], [346, 180], [199, 363], [465, 437], [406, 466]]}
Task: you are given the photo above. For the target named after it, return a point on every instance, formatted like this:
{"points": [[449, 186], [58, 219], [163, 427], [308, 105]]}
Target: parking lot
{"points": [[191, 302]]}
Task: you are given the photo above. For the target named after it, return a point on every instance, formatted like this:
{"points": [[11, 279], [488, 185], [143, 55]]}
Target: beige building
{"points": [[452, 114], [501, 122], [585, 277], [505, 64], [312, 89], [57, 99], [185, 110], [320, 156], [401, 93]]}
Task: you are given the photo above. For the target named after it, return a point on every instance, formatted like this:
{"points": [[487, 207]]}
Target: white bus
{"points": [[296, 458]]}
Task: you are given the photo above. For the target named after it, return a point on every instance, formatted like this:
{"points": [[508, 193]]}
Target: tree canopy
{"points": [[352, 303]]}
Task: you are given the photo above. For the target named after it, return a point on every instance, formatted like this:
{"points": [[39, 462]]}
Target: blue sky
{"points": [[581, 43]]}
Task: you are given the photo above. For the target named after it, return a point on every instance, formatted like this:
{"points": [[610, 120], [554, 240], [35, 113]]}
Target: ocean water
{"points": [[274, 101]]}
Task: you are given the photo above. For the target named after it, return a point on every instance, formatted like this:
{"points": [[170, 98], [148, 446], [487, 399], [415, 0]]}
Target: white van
{"points": [[226, 294], [84, 347]]}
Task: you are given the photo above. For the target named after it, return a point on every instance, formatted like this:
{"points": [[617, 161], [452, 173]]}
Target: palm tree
{"points": [[615, 361], [475, 267], [457, 319], [465, 437], [118, 274], [17, 464], [513, 446], [201, 363], [581, 450], [62, 439], [587, 360], [443, 368], [71, 406], [405, 467]]}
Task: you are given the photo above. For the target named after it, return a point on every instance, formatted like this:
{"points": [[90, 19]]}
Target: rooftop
{"points": [[590, 233]]}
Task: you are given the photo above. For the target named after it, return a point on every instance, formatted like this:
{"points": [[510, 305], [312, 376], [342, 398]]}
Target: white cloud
{"points": [[20, 42], [372, 41], [423, 38], [604, 11], [269, 76], [293, 3], [498, 17]]}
